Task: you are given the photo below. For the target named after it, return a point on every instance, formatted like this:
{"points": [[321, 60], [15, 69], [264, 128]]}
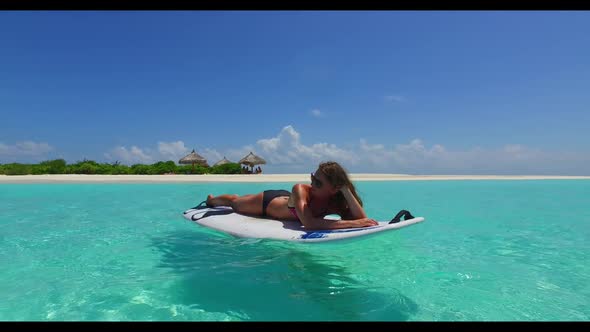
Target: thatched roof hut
{"points": [[192, 159], [252, 160], [222, 162]]}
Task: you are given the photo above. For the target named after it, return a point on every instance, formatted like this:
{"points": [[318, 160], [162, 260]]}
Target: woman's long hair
{"points": [[338, 177]]}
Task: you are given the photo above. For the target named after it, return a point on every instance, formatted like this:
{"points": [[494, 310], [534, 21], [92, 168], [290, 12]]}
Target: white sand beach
{"points": [[80, 178]]}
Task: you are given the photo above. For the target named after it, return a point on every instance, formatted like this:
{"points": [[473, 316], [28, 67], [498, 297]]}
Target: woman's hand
{"points": [[354, 209], [366, 222]]}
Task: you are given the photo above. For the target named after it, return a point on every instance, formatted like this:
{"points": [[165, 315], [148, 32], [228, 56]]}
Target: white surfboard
{"points": [[224, 219]]}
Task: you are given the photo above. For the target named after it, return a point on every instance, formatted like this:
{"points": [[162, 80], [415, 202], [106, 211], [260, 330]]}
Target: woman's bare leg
{"points": [[248, 204], [221, 200]]}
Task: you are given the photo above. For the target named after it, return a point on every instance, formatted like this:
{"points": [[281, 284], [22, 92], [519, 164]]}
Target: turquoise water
{"points": [[488, 251]]}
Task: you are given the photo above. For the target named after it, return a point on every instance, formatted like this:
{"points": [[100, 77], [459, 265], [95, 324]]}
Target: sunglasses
{"points": [[315, 182]]}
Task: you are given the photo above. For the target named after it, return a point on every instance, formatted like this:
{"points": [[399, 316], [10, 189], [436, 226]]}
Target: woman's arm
{"points": [[300, 196], [355, 210]]}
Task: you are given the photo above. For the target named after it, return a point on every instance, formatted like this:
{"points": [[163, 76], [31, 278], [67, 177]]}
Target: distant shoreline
{"points": [[204, 178]]}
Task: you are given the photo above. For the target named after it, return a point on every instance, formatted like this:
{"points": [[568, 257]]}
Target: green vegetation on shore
{"points": [[59, 166]]}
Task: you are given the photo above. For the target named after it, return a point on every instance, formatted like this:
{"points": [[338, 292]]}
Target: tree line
{"points": [[59, 166]]}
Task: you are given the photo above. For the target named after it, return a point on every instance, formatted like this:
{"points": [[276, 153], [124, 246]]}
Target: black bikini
{"points": [[269, 195]]}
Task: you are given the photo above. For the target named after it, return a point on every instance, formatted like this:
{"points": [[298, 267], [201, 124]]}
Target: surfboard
{"points": [[224, 219]]}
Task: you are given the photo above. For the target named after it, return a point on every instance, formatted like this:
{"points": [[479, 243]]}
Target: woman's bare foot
{"points": [[208, 201]]}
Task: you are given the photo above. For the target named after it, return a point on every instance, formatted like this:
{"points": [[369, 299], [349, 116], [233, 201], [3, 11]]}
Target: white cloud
{"points": [[416, 158], [32, 148], [236, 154], [130, 156], [317, 113], [395, 98], [375, 154], [25, 150], [172, 150], [211, 155], [514, 148], [285, 153], [6, 150], [287, 148], [233, 155]]}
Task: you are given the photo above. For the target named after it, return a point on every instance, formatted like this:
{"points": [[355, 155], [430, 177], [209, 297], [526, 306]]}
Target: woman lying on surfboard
{"points": [[330, 192]]}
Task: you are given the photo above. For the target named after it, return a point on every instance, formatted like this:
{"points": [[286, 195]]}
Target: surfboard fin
{"points": [[403, 213]]}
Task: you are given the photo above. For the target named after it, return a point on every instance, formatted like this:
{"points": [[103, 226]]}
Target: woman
{"points": [[330, 192]]}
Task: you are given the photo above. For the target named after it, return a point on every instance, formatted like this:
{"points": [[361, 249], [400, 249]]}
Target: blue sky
{"points": [[386, 92]]}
